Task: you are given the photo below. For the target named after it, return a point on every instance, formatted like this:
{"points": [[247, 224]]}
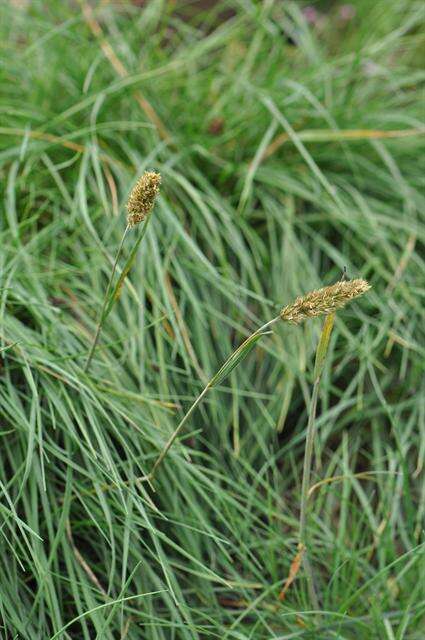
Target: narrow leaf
{"points": [[322, 347], [115, 294], [236, 357]]}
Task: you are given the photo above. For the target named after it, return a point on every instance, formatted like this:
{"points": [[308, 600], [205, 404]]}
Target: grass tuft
{"points": [[289, 148]]}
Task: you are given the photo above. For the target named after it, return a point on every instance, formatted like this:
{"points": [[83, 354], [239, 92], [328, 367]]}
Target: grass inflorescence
{"points": [[142, 197], [140, 204], [323, 301]]}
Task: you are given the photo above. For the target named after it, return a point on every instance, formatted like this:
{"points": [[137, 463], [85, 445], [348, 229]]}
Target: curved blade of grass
{"points": [[235, 359]]}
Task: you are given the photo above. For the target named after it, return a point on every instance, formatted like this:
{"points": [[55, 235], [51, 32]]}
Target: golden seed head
{"points": [[142, 197], [324, 301]]}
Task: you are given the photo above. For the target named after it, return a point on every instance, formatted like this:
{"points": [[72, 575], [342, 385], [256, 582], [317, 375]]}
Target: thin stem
{"points": [[202, 395], [177, 430], [321, 352], [304, 492], [105, 302], [310, 582], [308, 454]]}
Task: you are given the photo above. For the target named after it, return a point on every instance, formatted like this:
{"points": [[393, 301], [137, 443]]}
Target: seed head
{"points": [[324, 301], [142, 197]]}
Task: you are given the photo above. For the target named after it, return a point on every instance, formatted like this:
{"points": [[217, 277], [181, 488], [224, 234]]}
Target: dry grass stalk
{"points": [[293, 571]]}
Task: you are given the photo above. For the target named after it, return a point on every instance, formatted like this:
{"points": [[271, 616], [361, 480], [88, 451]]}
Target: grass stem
{"points": [[102, 315], [304, 493], [321, 351], [232, 361]]}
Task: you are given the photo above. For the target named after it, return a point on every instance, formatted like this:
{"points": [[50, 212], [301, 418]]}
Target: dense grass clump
{"points": [[290, 146]]}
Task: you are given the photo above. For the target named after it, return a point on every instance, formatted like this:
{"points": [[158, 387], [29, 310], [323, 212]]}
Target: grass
{"points": [[287, 152]]}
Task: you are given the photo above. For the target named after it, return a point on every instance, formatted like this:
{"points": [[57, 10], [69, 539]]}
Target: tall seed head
{"points": [[323, 301], [142, 197]]}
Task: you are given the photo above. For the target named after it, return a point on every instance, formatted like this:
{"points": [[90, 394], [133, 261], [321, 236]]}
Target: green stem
{"points": [[214, 380], [304, 492], [102, 315], [308, 454], [177, 431], [321, 352]]}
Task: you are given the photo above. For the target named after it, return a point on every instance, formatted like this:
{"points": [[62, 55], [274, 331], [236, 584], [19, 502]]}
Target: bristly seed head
{"points": [[323, 301], [142, 197]]}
